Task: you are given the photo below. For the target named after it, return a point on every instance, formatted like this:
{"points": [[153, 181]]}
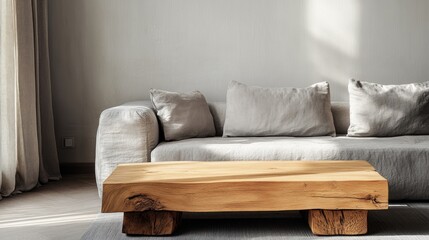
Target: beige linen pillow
{"points": [[183, 115], [388, 110], [258, 111]]}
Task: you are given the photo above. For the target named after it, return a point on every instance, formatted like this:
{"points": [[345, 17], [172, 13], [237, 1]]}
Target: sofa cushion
{"points": [[183, 115], [404, 160], [258, 111], [340, 112], [388, 110]]}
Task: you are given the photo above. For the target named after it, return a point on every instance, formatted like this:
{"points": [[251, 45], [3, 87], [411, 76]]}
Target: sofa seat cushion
{"points": [[403, 160]]}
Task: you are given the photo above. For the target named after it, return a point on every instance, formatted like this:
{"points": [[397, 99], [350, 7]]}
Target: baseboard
{"points": [[77, 168]]}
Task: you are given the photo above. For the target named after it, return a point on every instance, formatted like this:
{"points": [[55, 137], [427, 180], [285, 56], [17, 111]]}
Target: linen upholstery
{"points": [[341, 115], [258, 111], [217, 110], [183, 115], [126, 134], [388, 110], [404, 160]]}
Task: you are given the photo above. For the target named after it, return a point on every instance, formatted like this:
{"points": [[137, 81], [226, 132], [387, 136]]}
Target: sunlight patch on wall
{"points": [[336, 23], [333, 42]]}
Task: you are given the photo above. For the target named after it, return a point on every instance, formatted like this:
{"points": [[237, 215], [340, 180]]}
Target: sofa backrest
{"points": [[340, 112]]}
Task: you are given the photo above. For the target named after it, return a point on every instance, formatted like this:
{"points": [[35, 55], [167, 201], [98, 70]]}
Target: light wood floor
{"points": [[58, 210]]}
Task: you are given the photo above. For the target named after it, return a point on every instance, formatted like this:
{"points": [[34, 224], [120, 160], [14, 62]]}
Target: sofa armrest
{"points": [[126, 134]]}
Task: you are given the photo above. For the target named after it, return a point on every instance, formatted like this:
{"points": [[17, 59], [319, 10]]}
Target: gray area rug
{"points": [[401, 221]]}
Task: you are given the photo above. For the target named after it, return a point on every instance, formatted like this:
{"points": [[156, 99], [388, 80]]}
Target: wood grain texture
{"points": [[338, 222], [151, 222], [244, 186]]}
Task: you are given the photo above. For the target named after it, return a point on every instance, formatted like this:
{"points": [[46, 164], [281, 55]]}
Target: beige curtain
{"points": [[28, 153]]}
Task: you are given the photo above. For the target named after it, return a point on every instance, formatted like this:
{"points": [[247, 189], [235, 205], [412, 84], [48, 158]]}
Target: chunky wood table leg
{"points": [[151, 222], [338, 222]]}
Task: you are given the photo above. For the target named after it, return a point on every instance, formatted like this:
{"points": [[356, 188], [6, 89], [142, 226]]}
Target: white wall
{"points": [[106, 52]]}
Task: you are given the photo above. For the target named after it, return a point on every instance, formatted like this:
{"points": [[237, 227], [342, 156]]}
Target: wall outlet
{"points": [[68, 142]]}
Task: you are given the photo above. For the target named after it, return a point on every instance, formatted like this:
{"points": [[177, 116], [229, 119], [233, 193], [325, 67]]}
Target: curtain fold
{"points": [[28, 153]]}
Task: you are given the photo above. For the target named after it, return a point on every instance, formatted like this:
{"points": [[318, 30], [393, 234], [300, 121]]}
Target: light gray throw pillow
{"points": [[183, 115], [388, 110], [258, 111]]}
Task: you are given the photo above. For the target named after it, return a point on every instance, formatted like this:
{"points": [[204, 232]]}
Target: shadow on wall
{"points": [[393, 41]]}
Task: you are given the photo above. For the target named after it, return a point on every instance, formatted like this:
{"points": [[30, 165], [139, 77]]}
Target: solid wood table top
{"points": [[243, 171], [245, 186]]}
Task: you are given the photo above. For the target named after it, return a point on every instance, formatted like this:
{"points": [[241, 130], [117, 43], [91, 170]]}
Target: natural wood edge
{"points": [[132, 198], [338, 222], [153, 223]]}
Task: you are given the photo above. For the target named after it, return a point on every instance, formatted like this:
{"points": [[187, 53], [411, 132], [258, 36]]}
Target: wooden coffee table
{"points": [[337, 194]]}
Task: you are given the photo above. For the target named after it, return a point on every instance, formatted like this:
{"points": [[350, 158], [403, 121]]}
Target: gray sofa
{"points": [[130, 133]]}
